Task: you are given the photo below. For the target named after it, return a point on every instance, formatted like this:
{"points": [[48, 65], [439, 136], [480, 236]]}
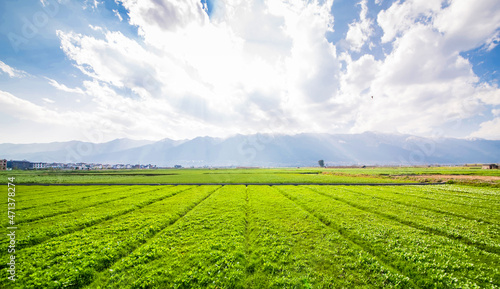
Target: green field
{"points": [[255, 236], [183, 176], [236, 176]]}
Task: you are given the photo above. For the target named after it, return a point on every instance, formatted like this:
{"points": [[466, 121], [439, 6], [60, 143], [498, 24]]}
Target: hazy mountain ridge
{"points": [[266, 150]]}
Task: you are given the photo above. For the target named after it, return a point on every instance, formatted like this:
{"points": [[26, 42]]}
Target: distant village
{"points": [[27, 165]]}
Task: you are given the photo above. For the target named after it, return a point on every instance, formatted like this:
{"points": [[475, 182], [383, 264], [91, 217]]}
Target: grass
{"points": [[407, 171], [234, 176], [183, 176], [236, 236]]}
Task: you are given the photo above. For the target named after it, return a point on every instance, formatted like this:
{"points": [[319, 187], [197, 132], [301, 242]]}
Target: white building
{"points": [[38, 166]]}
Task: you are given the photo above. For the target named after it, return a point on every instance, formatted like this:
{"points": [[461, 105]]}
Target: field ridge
{"points": [[171, 223], [36, 218], [435, 231], [348, 237], [37, 241], [246, 233], [436, 210]]}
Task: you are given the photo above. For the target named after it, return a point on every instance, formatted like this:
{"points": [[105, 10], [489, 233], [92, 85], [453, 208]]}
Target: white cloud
{"points": [[12, 72], [48, 100], [95, 28], [63, 87], [420, 56], [155, 17], [23, 109], [492, 42], [117, 14], [116, 59], [213, 73], [266, 66], [488, 94], [489, 129], [422, 85], [360, 31], [359, 76], [400, 17], [94, 4], [467, 25]]}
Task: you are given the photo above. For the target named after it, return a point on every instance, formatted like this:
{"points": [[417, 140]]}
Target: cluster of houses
{"points": [[27, 165]]}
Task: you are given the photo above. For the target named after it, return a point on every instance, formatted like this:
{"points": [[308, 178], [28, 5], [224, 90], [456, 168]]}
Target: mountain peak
{"points": [[269, 150]]}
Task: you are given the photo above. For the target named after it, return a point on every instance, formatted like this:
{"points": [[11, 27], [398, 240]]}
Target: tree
{"points": [[321, 163]]}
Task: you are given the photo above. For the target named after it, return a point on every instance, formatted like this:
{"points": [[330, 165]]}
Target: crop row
{"points": [[482, 235], [49, 195], [440, 194], [476, 192], [73, 260], [258, 239], [74, 204], [289, 248], [38, 194], [429, 260], [35, 232], [399, 195], [204, 249], [261, 237]]}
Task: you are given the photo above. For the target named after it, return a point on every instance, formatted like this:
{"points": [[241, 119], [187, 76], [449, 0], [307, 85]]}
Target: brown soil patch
{"points": [[350, 175], [464, 179], [455, 177]]}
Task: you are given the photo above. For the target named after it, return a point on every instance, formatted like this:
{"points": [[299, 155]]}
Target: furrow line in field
{"points": [[96, 193], [411, 192], [246, 232], [75, 195], [428, 259], [445, 193], [465, 193], [150, 238], [79, 208], [414, 192], [34, 219], [76, 259], [95, 222], [41, 191], [416, 195], [351, 238], [478, 194], [70, 191], [434, 210], [435, 231]]}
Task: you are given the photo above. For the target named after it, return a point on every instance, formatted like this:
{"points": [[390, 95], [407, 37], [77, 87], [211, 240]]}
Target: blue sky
{"points": [[154, 69]]}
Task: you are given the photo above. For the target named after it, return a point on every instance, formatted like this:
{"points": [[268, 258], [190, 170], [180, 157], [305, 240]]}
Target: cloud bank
{"points": [[270, 66]]}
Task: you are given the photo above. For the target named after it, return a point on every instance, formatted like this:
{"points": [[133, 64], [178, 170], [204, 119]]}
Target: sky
{"points": [[152, 69]]}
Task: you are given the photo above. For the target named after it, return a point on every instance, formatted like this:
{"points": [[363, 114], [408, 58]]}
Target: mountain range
{"points": [[266, 150]]}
